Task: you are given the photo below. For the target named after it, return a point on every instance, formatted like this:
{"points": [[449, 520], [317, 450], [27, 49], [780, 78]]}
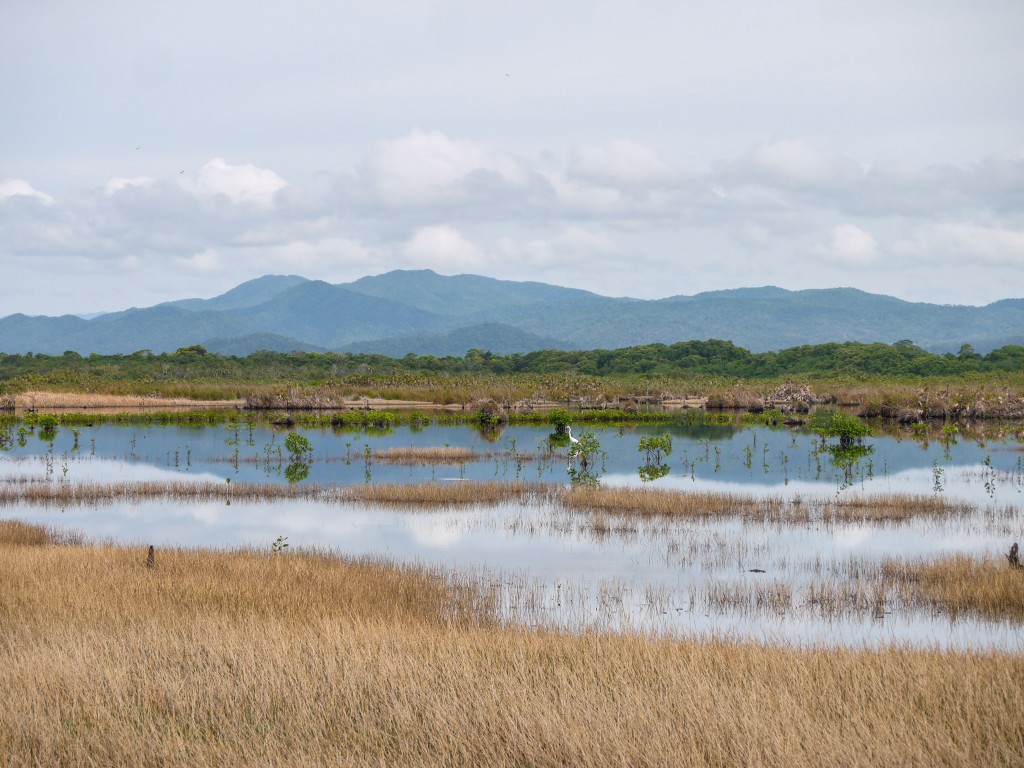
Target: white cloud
{"points": [[613, 216], [444, 247], [967, 244], [851, 246], [575, 239], [793, 161], [621, 163], [119, 183], [238, 183], [792, 165], [573, 245], [204, 262], [590, 199], [20, 188], [426, 168], [327, 256]]}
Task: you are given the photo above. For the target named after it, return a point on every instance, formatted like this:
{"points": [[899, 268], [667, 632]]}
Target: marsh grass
{"points": [[14, 533], [893, 507], [87, 401], [248, 657], [427, 455], [437, 494], [650, 502], [446, 493], [960, 584], [620, 501]]}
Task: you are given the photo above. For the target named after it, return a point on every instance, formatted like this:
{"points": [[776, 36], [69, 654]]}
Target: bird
{"points": [[572, 439]]}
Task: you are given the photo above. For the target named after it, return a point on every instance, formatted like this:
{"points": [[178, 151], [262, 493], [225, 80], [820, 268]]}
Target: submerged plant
{"points": [[583, 459], [654, 448], [937, 474], [298, 447], [296, 472]]}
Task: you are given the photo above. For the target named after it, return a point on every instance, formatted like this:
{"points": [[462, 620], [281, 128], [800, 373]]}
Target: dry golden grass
{"points": [[15, 533], [251, 658], [702, 504], [445, 493], [439, 493], [428, 455], [893, 507], [985, 587], [669, 503], [87, 401], [65, 494], [644, 502]]}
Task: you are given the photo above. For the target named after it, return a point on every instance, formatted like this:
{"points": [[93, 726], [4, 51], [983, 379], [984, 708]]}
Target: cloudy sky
{"points": [[154, 151]]}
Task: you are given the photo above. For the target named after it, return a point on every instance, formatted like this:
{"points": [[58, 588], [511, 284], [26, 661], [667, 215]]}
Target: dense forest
{"points": [[719, 358]]}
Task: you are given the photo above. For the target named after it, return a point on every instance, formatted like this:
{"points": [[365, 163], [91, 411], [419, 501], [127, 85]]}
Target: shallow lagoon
{"points": [[554, 566], [745, 459]]}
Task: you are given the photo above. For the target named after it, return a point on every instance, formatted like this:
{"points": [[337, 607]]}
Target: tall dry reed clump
{"points": [[86, 401], [657, 502], [448, 454], [959, 584], [255, 658]]}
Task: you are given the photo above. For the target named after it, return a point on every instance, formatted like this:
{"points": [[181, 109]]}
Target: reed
{"points": [[67, 494], [648, 502], [249, 657], [14, 533], [652, 502], [891, 507], [960, 584], [439, 493], [446, 493], [620, 501], [427, 455], [87, 400]]}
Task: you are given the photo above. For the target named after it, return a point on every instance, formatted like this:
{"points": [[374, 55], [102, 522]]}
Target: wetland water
{"points": [[549, 564]]}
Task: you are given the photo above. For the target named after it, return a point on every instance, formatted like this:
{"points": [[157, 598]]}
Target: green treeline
{"points": [[721, 358]]}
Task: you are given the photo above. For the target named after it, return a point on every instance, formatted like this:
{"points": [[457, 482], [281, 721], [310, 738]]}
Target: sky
{"points": [[158, 151]]}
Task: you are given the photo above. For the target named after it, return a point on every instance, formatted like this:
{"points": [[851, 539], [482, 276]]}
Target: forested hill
{"points": [[424, 313], [713, 357]]}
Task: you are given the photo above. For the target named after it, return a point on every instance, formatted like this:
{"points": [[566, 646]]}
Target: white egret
{"points": [[571, 438]]}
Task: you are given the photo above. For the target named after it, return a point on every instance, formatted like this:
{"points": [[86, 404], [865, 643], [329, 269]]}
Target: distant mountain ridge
{"points": [[422, 312]]}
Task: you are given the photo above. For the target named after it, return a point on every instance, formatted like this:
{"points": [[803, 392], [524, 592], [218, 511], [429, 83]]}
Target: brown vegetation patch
{"points": [[447, 492], [665, 503], [86, 400], [14, 533], [253, 658], [427, 455], [325, 398], [643, 502], [438, 493], [985, 587], [893, 507], [704, 504]]}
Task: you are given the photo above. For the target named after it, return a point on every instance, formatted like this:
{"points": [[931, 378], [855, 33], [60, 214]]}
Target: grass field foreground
{"points": [[251, 657]]}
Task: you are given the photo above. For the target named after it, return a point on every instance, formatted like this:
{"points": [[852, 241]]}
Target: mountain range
{"points": [[425, 313]]}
